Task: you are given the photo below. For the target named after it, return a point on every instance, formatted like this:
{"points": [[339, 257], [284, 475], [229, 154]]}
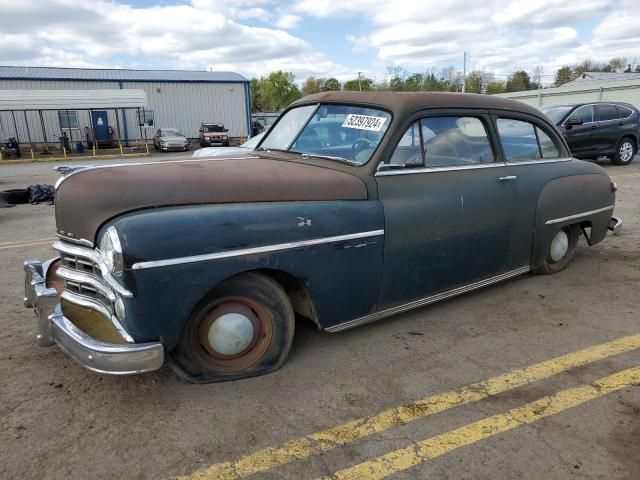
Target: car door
{"points": [[609, 130], [534, 156], [578, 129], [448, 208]]}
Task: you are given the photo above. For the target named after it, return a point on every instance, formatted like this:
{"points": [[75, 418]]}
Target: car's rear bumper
{"points": [[615, 225], [95, 355]]}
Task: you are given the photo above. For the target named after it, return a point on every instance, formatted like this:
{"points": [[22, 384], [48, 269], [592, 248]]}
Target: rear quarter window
{"points": [[523, 141]]}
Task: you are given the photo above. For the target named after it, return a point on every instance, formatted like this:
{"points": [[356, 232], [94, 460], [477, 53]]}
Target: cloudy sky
{"points": [[317, 37]]}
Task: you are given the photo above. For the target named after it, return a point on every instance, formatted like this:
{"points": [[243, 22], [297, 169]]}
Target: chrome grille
{"points": [[85, 284]]}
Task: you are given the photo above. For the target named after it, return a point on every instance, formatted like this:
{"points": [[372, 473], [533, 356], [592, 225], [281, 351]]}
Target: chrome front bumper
{"points": [[54, 327]]}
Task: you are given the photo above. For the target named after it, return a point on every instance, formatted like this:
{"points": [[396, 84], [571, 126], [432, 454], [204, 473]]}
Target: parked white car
{"points": [[245, 149]]}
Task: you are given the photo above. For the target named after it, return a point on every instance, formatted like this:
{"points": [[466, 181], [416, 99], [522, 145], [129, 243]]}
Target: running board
{"points": [[427, 300]]}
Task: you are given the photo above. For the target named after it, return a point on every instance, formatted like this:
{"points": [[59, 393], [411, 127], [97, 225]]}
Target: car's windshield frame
{"points": [[307, 155]]}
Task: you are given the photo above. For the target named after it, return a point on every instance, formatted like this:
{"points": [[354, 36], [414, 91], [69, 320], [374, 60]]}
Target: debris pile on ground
{"points": [[33, 194]]}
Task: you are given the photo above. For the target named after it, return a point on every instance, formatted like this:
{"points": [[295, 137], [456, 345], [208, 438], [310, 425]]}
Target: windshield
{"points": [[253, 141], [557, 112], [170, 132], [213, 128], [347, 133]]}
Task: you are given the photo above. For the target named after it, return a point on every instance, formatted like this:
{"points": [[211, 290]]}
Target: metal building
{"points": [[594, 88], [174, 99]]}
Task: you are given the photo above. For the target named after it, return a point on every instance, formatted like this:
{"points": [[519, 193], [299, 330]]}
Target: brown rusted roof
{"points": [[404, 103], [87, 199]]}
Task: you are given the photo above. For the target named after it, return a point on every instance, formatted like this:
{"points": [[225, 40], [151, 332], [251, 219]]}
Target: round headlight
{"points": [[111, 251]]}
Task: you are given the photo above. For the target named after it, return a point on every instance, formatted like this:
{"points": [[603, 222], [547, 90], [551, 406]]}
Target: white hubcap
{"points": [[559, 246], [626, 151], [230, 333]]}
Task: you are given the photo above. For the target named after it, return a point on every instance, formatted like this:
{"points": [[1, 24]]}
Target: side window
{"points": [[455, 141], [624, 112], [408, 152], [584, 114], [523, 141], [548, 147], [606, 112]]}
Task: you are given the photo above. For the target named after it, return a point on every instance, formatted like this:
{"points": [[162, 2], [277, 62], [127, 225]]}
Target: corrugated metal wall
{"points": [[175, 105], [627, 91]]}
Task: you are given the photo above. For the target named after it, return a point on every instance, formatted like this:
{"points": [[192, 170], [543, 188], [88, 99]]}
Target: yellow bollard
{"points": [[33, 157], [64, 152], [147, 147], [120, 145], [0, 155]]}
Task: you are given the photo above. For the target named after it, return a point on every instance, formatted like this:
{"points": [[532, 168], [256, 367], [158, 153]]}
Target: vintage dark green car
{"points": [[354, 207]]}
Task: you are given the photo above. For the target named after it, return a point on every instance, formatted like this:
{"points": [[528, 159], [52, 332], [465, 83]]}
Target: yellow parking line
{"points": [[349, 432], [25, 243], [434, 447]]}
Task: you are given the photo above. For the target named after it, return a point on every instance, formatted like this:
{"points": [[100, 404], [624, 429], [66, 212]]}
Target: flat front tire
{"points": [[560, 250], [243, 328]]}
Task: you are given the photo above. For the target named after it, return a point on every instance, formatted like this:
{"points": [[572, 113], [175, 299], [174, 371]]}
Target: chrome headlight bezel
{"points": [[110, 250]]}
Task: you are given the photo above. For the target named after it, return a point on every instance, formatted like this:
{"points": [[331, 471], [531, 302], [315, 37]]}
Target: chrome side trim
{"points": [[254, 250], [536, 162], [87, 279], [92, 304], [79, 241], [578, 215], [427, 300], [97, 259], [410, 171]]}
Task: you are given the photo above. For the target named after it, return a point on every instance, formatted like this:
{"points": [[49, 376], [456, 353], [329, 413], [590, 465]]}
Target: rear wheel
{"points": [[560, 250], [625, 151], [244, 328]]}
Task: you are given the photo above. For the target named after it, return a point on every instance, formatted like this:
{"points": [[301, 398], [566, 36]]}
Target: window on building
{"points": [[145, 118], [68, 119]]}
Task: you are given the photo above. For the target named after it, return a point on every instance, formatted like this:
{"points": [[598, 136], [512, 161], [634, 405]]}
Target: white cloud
{"points": [[288, 21]]}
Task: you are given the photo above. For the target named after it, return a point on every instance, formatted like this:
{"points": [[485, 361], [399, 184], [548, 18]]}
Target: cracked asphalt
{"points": [[58, 420]]}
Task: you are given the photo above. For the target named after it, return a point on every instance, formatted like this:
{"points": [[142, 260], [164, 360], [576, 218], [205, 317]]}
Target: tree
{"points": [[616, 64], [413, 83], [536, 77], [257, 104], [563, 75], [518, 81], [495, 87], [364, 84], [278, 90], [312, 85], [330, 85]]}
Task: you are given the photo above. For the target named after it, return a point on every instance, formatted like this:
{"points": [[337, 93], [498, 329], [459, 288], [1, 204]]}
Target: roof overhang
{"points": [[72, 99]]}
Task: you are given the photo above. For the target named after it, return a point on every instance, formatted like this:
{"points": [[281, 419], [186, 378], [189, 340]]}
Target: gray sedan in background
{"points": [[167, 139]]}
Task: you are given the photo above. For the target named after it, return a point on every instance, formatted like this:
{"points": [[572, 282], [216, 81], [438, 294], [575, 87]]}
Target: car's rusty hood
{"points": [[89, 197]]}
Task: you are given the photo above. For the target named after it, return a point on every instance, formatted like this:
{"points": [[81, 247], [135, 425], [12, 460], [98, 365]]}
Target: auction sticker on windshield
{"points": [[364, 122]]}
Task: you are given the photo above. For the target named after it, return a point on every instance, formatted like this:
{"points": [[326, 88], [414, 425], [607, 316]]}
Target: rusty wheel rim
{"points": [[235, 334]]}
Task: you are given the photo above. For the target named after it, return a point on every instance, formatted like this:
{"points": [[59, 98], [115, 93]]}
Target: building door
{"points": [[100, 125]]}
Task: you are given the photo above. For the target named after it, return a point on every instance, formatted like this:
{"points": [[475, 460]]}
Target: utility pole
{"points": [[359, 81], [464, 71]]}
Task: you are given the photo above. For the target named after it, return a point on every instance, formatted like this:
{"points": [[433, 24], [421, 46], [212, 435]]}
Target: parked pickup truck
{"points": [[354, 207]]}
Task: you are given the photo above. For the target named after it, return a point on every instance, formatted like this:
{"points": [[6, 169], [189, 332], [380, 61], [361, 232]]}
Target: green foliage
{"points": [[330, 85], [563, 75], [274, 92], [312, 85], [366, 84], [518, 81]]}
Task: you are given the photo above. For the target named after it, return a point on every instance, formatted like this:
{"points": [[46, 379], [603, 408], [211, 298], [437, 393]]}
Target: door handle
{"points": [[507, 178], [593, 127]]}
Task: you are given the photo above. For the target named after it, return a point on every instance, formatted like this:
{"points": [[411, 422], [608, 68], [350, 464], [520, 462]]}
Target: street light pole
{"points": [[359, 81], [464, 71]]}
